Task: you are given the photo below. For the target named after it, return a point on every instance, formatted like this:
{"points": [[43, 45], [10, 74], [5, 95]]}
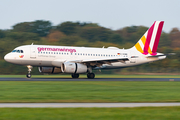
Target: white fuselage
{"points": [[54, 56]]}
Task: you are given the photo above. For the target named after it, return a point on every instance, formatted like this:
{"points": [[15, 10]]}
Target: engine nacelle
{"points": [[49, 70], [69, 67]]}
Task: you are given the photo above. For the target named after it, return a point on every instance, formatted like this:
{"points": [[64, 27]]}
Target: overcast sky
{"points": [[114, 14]]}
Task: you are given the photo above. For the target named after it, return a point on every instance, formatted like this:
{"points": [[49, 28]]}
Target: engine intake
{"points": [[49, 70], [69, 67]]}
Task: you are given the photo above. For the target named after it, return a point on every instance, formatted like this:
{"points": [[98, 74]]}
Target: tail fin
{"points": [[150, 40]]}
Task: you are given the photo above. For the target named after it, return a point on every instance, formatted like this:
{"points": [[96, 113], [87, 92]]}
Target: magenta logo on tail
{"points": [[149, 42]]}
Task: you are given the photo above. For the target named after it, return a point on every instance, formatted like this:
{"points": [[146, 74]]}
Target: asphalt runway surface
{"points": [[84, 105], [85, 79]]}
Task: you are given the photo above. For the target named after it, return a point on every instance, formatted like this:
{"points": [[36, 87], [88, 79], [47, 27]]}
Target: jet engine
{"points": [[76, 68], [49, 70]]}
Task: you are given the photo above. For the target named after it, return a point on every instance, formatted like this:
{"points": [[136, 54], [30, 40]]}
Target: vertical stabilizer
{"points": [[149, 41]]}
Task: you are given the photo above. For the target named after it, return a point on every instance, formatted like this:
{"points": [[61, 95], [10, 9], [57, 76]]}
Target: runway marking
{"points": [[84, 105]]}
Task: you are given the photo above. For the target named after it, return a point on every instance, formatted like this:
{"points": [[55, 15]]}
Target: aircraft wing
{"points": [[100, 61]]}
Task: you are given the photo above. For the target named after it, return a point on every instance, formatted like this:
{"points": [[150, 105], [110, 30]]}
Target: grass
{"points": [[149, 113], [89, 91], [97, 76]]}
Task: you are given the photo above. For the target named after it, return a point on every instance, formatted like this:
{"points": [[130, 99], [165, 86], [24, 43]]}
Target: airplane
{"points": [[78, 60]]}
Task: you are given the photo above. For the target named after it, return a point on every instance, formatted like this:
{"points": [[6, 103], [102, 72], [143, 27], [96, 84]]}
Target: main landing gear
{"points": [[89, 75], [75, 75], [29, 71]]}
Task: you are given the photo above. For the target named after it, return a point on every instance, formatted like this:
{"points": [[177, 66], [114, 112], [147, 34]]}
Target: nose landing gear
{"points": [[29, 71]]}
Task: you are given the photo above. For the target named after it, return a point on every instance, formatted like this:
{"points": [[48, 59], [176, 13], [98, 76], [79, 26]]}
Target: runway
{"points": [[84, 105], [85, 79]]}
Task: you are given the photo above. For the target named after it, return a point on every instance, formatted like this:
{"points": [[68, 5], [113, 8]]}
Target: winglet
{"points": [[150, 40]]}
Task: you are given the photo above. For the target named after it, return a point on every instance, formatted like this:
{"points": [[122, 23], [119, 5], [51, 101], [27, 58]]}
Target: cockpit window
{"points": [[17, 51], [14, 51]]}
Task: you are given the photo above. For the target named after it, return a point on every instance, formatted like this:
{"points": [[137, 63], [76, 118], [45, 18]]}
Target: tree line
{"points": [[87, 35]]}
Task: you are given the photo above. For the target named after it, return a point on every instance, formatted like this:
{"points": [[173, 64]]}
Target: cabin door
{"points": [[33, 52]]}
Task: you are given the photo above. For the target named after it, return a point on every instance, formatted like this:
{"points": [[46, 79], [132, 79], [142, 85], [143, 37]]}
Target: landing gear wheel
{"points": [[75, 75], [28, 75], [91, 75], [29, 71]]}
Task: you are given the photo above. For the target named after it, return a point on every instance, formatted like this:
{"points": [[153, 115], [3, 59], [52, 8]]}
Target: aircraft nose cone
{"points": [[7, 57]]}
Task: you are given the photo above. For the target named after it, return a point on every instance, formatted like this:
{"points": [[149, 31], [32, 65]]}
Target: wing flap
{"points": [[100, 61], [106, 60]]}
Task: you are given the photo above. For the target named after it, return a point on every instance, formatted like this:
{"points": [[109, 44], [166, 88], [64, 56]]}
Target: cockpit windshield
{"points": [[17, 51]]}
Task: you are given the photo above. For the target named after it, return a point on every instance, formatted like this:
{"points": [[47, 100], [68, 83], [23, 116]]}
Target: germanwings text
{"points": [[56, 49]]}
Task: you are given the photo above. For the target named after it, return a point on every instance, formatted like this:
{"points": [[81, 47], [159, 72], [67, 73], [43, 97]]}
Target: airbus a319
{"points": [[78, 60]]}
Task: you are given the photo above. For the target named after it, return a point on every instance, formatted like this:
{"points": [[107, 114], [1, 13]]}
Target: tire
{"points": [[28, 75], [90, 75], [75, 75]]}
